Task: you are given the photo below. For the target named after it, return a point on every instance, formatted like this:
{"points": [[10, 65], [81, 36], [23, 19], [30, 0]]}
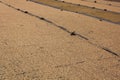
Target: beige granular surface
{"points": [[99, 32], [32, 49]]}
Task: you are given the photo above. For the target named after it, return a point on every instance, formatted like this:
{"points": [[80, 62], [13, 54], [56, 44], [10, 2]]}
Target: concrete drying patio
{"points": [[36, 44]]}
